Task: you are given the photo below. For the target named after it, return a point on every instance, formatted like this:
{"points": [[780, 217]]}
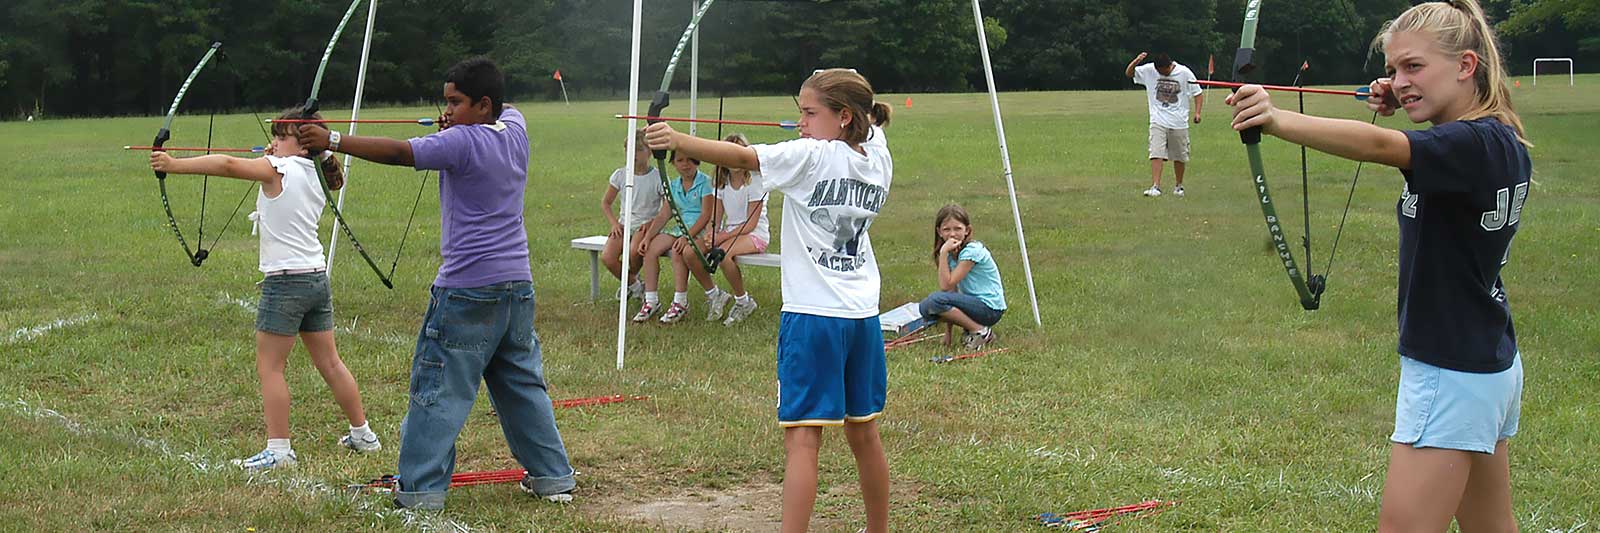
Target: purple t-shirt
{"points": [[483, 172]]}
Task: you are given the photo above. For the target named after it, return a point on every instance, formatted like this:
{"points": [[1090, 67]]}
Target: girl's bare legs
{"points": [[680, 266], [325, 356], [272, 353], [1486, 505], [741, 245], [651, 270], [611, 257], [873, 469], [1424, 488], [800, 445]]}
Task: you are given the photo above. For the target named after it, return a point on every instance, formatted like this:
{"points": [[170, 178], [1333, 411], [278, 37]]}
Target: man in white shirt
{"points": [[1168, 88]]}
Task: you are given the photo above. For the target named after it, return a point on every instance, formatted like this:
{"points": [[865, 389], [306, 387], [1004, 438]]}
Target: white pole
{"points": [[627, 195], [564, 91], [1005, 158], [355, 114], [694, 70]]}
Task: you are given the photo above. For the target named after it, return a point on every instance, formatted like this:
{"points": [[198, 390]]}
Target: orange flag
{"points": [[1305, 65], [558, 75]]}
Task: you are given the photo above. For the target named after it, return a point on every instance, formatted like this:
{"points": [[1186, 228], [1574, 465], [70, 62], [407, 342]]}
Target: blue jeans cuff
{"points": [[545, 486], [422, 501]]}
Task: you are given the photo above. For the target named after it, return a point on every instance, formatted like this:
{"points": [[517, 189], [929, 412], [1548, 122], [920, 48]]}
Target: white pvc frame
{"points": [[1571, 79]]}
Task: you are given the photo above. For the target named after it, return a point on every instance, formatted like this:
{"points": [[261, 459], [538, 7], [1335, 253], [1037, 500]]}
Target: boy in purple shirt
{"points": [[479, 322]]}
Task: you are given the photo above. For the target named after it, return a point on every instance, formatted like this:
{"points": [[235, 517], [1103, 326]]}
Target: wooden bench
{"points": [[594, 244]]}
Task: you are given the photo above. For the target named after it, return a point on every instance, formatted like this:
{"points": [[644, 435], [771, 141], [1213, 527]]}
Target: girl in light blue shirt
{"points": [[970, 294]]}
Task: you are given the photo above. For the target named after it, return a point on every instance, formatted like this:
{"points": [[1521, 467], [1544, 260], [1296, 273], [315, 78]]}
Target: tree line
{"points": [[120, 57]]}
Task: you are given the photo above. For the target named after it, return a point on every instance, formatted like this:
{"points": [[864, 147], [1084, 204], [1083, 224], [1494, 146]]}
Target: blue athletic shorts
{"points": [[830, 370], [1440, 408]]}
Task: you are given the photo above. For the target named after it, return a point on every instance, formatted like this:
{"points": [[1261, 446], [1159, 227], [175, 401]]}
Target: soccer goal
{"points": [[1566, 60]]}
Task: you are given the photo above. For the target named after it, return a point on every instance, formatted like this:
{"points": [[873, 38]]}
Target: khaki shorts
{"points": [[1169, 144]]}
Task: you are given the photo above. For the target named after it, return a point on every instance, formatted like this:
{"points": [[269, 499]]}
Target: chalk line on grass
{"points": [[28, 334]]}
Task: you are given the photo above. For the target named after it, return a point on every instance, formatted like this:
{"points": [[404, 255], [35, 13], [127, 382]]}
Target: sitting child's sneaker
{"points": [[977, 340], [645, 311], [716, 303], [741, 310], [361, 444], [266, 459], [674, 313]]}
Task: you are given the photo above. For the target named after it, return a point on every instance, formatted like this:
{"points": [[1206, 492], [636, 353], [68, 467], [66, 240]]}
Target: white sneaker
{"points": [[1178, 191], [646, 311], [265, 460], [363, 445], [636, 290], [716, 303], [674, 313], [1153, 191], [740, 310]]}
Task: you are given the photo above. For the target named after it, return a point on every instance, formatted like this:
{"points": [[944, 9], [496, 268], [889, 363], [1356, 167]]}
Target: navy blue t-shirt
{"points": [[1460, 208]]}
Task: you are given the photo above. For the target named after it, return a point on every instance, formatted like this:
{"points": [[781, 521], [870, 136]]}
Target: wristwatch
{"points": [[333, 140]]}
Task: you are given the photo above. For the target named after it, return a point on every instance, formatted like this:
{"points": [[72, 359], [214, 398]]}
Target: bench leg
{"points": [[594, 276]]}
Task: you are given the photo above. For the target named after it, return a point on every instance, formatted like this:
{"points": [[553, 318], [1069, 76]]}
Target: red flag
{"points": [[558, 75], [1211, 65], [1305, 65]]}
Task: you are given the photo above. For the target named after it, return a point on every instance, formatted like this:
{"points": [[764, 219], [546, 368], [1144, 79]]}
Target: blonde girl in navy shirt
{"points": [[1466, 182], [831, 370]]}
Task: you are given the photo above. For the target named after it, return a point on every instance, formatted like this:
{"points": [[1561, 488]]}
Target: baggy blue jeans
{"points": [[468, 335]]}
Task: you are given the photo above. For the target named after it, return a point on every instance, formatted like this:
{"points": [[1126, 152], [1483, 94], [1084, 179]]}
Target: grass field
{"points": [[1173, 361]]}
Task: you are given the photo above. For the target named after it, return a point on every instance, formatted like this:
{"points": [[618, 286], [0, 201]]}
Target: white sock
{"points": [[652, 297], [279, 445], [362, 432], [680, 298]]}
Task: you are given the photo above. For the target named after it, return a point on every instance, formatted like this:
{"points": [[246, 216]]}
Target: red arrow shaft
{"points": [[711, 121], [335, 121], [190, 149], [1277, 88]]}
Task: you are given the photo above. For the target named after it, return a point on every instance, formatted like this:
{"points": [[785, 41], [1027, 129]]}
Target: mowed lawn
{"points": [[1173, 361]]}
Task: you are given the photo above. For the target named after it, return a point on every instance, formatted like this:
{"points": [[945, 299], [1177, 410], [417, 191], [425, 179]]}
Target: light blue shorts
{"points": [[1440, 408], [830, 370]]}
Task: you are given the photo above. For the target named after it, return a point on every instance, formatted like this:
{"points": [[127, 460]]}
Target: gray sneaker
{"points": [[976, 341], [740, 310], [716, 303]]}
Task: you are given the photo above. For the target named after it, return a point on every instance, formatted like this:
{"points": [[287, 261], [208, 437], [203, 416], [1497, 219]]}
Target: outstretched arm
{"points": [[661, 136], [1350, 139], [375, 149], [256, 169]]}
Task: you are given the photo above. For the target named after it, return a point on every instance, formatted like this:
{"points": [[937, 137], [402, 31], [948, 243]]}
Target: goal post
{"points": [[1567, 60]]}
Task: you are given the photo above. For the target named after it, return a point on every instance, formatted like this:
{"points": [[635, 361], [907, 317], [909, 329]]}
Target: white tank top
{"points": [[287, 224]]}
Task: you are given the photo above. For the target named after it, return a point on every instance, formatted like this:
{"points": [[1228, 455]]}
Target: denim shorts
{"points": [[830, 370], [940, 302], [293, 303], [1442, 408]]}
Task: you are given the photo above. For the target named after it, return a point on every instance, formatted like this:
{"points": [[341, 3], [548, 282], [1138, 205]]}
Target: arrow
{"points": [[787, 124], [419, 122], [1359, 94], [254, 149]]}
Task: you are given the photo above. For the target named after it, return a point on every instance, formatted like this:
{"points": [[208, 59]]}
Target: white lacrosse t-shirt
{"points": [[831, 195]]}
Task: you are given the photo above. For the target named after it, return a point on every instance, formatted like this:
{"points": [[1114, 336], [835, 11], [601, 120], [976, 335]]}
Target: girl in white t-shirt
{"points": [[831, 370], [646, 204], [294, 293], [740, 222]]}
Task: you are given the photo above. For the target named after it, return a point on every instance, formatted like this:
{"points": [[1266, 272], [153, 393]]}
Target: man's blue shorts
{"points": [[830, 370], [1441, 408]]}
